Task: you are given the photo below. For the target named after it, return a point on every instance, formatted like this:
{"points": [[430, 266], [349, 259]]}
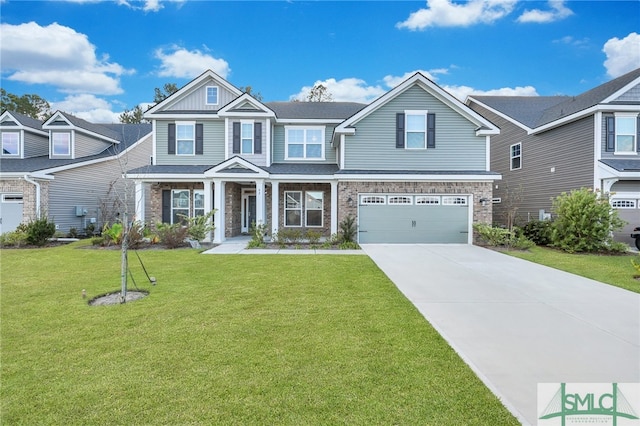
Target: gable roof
{"points": [[23, 120], [485, 127], [100, 130], [315, 110], [542, 112]]}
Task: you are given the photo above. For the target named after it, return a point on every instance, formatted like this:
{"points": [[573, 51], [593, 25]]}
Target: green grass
{"points": [[249, 339], [614, 270]]}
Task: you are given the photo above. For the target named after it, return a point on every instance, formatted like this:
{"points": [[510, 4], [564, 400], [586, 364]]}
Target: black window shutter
{"points": [[257, 138], [638, 134], [166, 206], [611, 134], [199, 139], [400, 130], [236, 137], [172, 138], [431, 130]]}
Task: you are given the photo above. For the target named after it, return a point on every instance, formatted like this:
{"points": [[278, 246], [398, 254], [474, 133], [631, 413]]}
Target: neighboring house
{"points": [[412, 166], [67, 169], [550, 145]]}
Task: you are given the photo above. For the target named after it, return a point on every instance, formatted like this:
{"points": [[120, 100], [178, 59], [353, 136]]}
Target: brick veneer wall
{"points": [[155, 216], [28, 191], [325, 188]]}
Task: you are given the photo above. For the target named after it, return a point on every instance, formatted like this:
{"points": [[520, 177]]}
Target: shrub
{"points": [[313, 237], [348, 229], [39, 231], [73, 233], [98, 241], [199, 226], [257, 235], [501, 237], [585, 222], [538, 231], [172, 236], [16, 238], [136, 234], [112, 234]]}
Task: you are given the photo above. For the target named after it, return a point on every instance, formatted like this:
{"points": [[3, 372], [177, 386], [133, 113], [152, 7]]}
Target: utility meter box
{"points": [[80, 211]]}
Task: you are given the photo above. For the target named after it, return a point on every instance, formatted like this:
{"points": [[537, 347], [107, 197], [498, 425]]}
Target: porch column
{"points": [[218, 217], [208, 202], [139, 202], [334, 208], [260, 202], [275, 211]]}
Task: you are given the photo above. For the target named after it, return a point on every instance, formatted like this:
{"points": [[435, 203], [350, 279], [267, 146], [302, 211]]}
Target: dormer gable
{"points": [[21, 136], [203, 96], [235, 167], [73, 137], [245, 106]]}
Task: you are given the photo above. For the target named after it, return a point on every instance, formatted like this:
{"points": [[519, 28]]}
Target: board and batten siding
{"points": [[196, 100], [257, 159], [553, 162], [213, 145], [85, 146], [89, 187], [279, 145], [373, 146]]}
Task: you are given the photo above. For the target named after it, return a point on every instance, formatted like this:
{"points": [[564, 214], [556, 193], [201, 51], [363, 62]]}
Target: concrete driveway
{"points": [[517, 323]]}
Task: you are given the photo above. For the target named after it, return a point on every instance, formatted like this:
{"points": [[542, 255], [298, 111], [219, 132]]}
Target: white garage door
{"points": [[10, 212], [411, 218]]}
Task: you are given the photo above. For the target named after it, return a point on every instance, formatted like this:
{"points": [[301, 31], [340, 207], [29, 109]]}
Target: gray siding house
{"points": [[550, 145], [67, 169], [412, 166]]}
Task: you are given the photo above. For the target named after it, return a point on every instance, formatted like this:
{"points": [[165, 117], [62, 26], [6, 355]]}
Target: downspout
{"points": [[37, 185]]}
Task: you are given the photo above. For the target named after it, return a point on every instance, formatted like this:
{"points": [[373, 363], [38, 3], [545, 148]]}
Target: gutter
{"points": [[37, 185]]}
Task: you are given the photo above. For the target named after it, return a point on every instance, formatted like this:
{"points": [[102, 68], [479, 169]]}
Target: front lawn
{"points": [[614, 270], [237, 339]]}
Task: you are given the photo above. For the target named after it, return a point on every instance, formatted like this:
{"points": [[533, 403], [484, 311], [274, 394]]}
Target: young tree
{"points": [[133, 116], [163, 93], [31, 105], [319, 93], [249, 90]]}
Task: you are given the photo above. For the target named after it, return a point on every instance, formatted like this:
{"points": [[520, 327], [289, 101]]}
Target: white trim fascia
{"points": [[182, 117], [500, 114], [226, 138], [584, 113], [621, 91], [310, 121], [71, 126], [597, 147], [257, 171], [186, 89], [430, 87], [154, 143], [418, 177], [20, 175], [20, 125], [245, 97], [487, 160], [606, 172], [342, 149]]}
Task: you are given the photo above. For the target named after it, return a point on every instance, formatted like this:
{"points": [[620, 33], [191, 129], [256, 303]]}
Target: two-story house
{"points": [[67, 169], [411, 166], [553, 144]]}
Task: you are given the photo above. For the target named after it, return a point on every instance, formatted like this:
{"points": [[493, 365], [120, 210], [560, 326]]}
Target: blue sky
{"points": [[95, 58]]}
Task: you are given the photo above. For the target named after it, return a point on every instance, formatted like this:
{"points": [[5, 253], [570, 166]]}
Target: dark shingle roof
{"points": [[536, 111], [100, 129], [623, 165], [417, 172], [302, 169], [172, 169], [315, 110], [27, 121]]}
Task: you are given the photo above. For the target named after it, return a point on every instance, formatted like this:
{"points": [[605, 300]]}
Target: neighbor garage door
{"points": [[413, 218], [10, 212]]}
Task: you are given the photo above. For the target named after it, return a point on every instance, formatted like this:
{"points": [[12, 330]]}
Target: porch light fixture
{"points": [[484, 201], [350, 201]]}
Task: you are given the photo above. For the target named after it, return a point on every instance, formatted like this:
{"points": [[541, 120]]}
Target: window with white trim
{"points": [[10, 143], [304, 143], [428, 200], [626, 133], [293, 208], [454, 201], [373, 199], [198, 202], [623, 204], [246, 137], [416, 129], [180, 205], [400, 199], [61, 143], [515, 156], [212, 95], [185, 138], [314, 209]]}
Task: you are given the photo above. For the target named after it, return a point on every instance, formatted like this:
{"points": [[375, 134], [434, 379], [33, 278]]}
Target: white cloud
{"points": [[345, 90], [623, 55], [558, 11], [58, 56], [392, 81], [445, 13], [87, 107], [572, 41], [182, 63]]}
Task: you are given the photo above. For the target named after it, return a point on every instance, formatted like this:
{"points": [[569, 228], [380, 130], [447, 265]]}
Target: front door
{"points": [[248, 210]]}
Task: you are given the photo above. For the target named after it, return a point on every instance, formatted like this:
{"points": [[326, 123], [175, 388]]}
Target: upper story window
{"points": [[515, 156], [61, 143], [185, 138], [626, 133], [416, 129], [10, 143], [304, 143], [212, 95], [246, 137]]}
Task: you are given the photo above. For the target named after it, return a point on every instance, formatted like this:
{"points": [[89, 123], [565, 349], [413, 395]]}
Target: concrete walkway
{"points": [[517, 323]]}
